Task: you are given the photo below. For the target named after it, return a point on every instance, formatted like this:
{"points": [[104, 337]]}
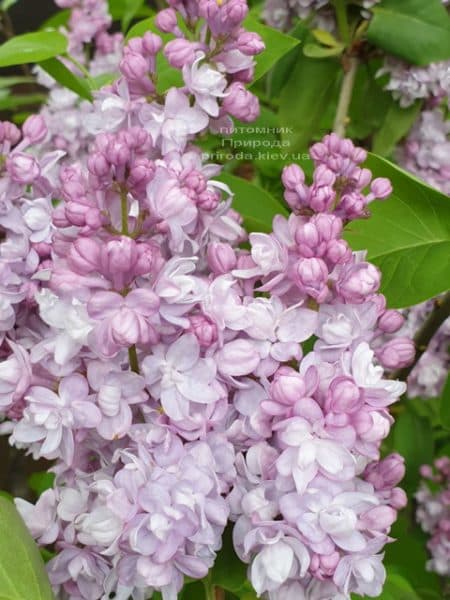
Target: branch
{"points": [[345, 97], [424, 335]]}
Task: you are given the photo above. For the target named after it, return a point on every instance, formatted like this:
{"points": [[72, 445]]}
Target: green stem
{"points": [[133, 359], [345, 97], [124, 211], [342, 20], [210, 593]]}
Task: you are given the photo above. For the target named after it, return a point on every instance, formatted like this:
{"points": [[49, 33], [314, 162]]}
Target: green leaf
{"points": [[417, 31], [445, 405], [305, 98], [229, 572], [407, 236], [413, 439], [32, 48], [325, 37], [57, 20], [22, 571], [64, 76], [277, 44], [119, 8], [140, 28], [408, 554], [370, 102], [41, 481], [256, 205], [280, 74], [131, 9], [316, 51], [397, 124]]}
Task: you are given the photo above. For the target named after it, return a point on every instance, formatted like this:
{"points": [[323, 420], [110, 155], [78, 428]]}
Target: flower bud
{"points": [[151, 43], [118, 153], [134, 67], [397, 353], [84, 256], [118, 259], [311, 276], [180, 52], [391, 321], [292, 176], [386, 473], [358, 281], [250, 43], [11, 133], [381, 188], [344, 396], [204, 330], [34, 129], [166, 20], [98, 165], [221, 258], [240, 103], [287, 387], [23, 168]]}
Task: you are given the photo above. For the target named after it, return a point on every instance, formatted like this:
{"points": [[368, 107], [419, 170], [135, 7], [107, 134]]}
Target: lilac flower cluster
{"points": [[433, 513], [409, 83], [426, 150], [159, 364], [99, 52], [312, 502]]}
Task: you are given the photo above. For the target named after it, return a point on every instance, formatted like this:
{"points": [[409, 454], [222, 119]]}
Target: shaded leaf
{"points": [[407, 236], [41, 481], [305, 98], [256, 205], [413, 439], [397, 124], [277, 45], [131, 9], [64, 76]]}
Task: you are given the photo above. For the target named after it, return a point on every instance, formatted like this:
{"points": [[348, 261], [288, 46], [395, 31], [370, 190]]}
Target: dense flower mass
{"points": [[158, 361], [433, 513]]}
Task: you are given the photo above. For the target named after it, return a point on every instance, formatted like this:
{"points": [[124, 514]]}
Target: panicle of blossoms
{"points": [[99, 52], [313, 503], [409, 83], [426, 150], [433, 513]]}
